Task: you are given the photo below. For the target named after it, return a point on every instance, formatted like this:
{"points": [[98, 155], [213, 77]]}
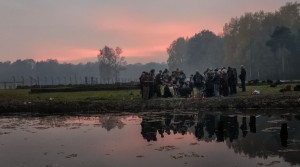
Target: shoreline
{"points": [[253, 102]]}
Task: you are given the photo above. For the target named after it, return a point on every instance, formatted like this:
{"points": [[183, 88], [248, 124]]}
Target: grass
{"points": [[267, 90], [23, 95]]}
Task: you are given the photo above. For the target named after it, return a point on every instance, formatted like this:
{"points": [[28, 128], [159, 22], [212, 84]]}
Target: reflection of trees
{"points": [[110, 122]]}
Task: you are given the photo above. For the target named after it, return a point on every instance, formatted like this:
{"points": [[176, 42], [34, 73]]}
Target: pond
{"points": [[150, 139]]}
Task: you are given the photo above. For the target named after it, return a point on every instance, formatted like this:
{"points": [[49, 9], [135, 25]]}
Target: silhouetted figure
{"points": [[210, 124], [220, 131], [233, 128], [167, 92], [151, 83], [224, 83], [242, 77], [199, 132], [198, 83], [158, 83], [235, 80], [244, 126], [284, 134], [230, 79], [145, 80], [141, 81], [217, 82], [252, 124], [209, 84]]}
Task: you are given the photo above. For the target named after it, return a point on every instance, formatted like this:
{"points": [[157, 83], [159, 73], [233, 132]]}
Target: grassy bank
{"points": [[130, 101], [25, 95]]}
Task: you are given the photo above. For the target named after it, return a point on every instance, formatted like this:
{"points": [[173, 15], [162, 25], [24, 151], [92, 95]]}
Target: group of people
{"points": [[213, 82]]}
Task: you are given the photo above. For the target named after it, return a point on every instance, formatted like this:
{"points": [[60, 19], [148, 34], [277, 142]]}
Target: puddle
{"points": [[151, 139]]}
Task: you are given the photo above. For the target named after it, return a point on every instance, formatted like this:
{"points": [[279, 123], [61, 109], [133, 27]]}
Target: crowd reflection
{"points": [[205, 126], [178, 123], [255, 136]]}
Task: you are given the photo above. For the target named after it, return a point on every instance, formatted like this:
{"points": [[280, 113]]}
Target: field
{"points": [[24, 95]]}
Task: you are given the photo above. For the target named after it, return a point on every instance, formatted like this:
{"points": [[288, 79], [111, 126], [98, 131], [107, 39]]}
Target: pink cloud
{"points": [[142, 37], [66, 54]]}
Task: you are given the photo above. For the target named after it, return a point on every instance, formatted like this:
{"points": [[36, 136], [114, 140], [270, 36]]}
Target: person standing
{"points": [[242, 77], [230, 79], [235, 80], [151, 83]]}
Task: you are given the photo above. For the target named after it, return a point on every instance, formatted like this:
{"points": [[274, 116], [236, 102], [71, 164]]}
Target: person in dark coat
{"points": [[230, 79], [242, 77], [217, 81], [151, 83], [224, 82], [235, 80], [157, 83]]}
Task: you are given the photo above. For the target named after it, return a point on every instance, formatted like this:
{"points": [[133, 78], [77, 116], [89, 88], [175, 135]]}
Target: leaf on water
{"points": [[275, 121], [4, 133], [71, 156], [273, 163], [186, 155], [179, 138], [166, 148], [76, 127], [139, 156], [288, 150], [42, 128], [271, 129]]}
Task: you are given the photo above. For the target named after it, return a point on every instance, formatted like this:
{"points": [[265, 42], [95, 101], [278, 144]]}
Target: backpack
{"points": [[198, 80]]}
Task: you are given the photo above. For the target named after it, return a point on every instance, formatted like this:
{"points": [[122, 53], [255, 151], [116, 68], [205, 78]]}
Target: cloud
{"points": [[74, 30]]}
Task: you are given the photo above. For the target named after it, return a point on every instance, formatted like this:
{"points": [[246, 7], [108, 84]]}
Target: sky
{"points": [[73, 31]]}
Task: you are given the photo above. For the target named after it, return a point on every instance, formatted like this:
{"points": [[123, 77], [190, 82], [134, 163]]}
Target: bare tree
{"points": [[110, 63]]}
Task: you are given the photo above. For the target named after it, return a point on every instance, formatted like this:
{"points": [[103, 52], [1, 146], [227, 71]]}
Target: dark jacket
{"points": [[243, 74]]}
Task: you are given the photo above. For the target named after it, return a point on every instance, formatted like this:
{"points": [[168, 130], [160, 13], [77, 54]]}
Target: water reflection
{"points": [[163, 124], [248, 140], [221, 127], [269, 135], [110, 122]]}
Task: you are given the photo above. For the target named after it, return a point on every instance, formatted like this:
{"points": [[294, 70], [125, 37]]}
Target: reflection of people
{"points": [[233, 128], [284, 134], [252, 124], [220, 131], [199, 132], [210, 124], [244, 126]]}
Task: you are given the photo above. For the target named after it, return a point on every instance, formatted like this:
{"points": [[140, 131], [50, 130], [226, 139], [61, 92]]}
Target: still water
{"points": [[150, 139]]}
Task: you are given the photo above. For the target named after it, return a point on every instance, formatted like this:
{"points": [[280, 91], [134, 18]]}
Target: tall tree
{"points": [[204, 50], [110, 63], [281, 44], [177, 54]]}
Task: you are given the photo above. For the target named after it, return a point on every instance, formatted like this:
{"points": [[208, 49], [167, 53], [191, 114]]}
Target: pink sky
{"points": [[74, 30]]}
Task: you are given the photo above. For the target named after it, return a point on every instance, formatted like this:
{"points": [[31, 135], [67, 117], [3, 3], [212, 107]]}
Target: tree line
{"points": [[266, 43], [51, 72]]}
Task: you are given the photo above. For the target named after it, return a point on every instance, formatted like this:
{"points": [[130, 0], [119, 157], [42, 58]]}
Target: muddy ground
{"points": [[287, 102]]}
